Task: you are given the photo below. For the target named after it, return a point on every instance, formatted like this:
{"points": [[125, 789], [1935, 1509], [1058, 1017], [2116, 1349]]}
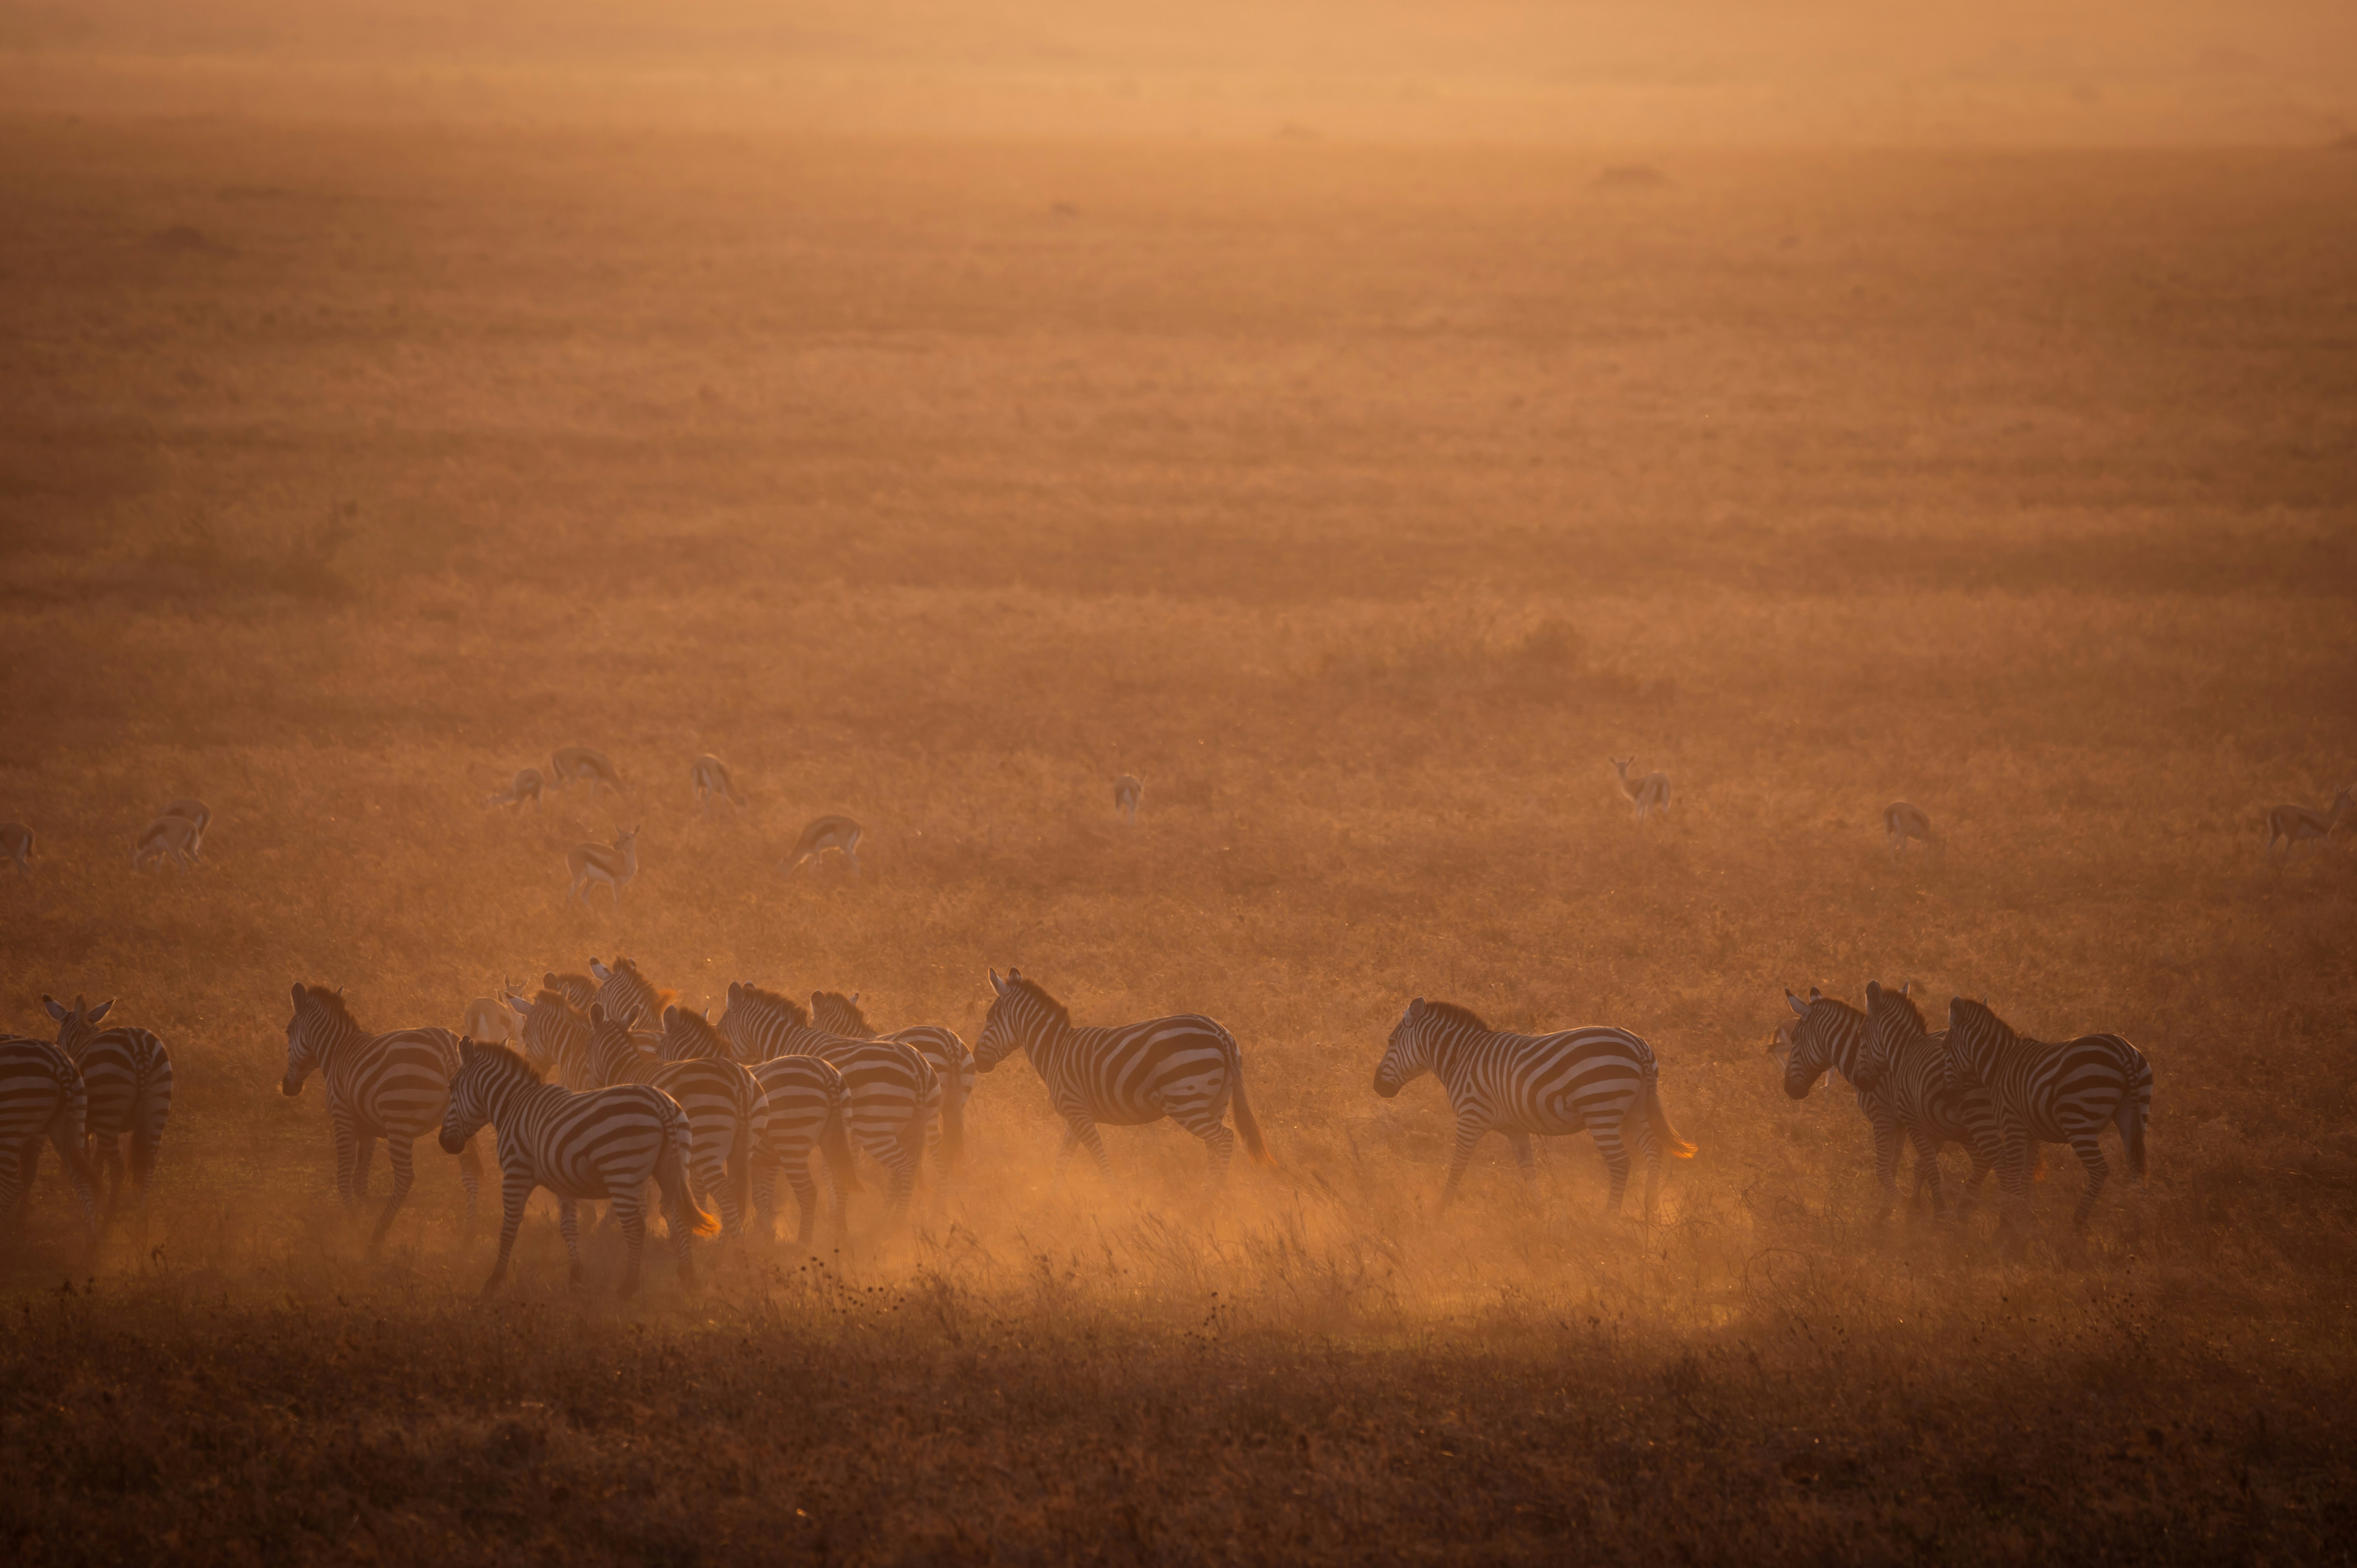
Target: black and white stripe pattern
{"points": [[937, 1043], [608, 1143], [392, 1086], [809, 1109], [556, 1036], [2042, 1093], [1905, 1066], [1599, 1079], [41, 1096], [580, 990], [126, 1077], [725, 1105], [1186, 1068], [624, 992], [895, 1095]]}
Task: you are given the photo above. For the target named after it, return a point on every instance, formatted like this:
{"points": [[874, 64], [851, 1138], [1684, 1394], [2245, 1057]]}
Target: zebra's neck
{"points": [[332, 1039], [510, 1103], [1450, 1049]]}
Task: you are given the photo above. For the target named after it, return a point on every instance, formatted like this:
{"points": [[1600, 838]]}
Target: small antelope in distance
{"points": [[2293, 823], [710, 776], [524, 786], [822, 834], [580, 762], [1127, 792], [1903, 821], [489, 1022], [613, 864], [176, 837], [17, 844], [192, 810], [1649, 794]]}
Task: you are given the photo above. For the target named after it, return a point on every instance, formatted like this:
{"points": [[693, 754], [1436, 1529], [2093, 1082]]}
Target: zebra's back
{"points": [[891, 1085], [1129, 1074], [942, 1048], [719, 1098], [2053, 1089], [127, 1080], [592, 1145], [1558, 1083], [39, 1084], [396, 1085], [803, 1094]]}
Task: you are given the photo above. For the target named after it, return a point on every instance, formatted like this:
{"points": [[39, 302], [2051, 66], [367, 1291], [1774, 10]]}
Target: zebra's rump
{"points": [[720, 1099], [598, 1145], [38, 1081], [941, 1048], [396, 1085], [2055, 1090], [803, 1093], [1560, 1083], [121, 1070], [1136, 1073]]}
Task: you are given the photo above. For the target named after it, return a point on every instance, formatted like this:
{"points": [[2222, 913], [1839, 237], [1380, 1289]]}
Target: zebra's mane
{"points": [[1841, 1006], [697, 1027], [786, 1004], [1900, 999], [331, 1001], [1450, 1012], [1039, 993], [664, 997], [508, 1060], [558, 1000], [1963, 1008], [858, 1019]]}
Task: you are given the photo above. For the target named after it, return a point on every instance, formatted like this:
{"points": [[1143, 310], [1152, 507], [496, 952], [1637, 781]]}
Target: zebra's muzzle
{"points": [[290, 1086], [1387, 1088], [452, 1146]]}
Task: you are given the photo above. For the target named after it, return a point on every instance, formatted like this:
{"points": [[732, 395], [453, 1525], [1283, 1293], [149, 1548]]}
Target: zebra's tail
{"points": [[1659, 1118], [953, 1117], [671, 1176], [1246, 1125]]}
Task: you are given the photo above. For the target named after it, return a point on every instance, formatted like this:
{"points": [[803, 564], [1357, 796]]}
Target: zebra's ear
{"points": [[299, 993], [600, 971], [1781, 1048], [1816, 995], [95, 1013], [630, 1019], [997, 984], [735, 988], [854, 999], [1908, 989], [549, 980], [1797, 1005], [59, 1012], [1416, 1008], [668, 1013], [1873, 993], [596, 1014]]}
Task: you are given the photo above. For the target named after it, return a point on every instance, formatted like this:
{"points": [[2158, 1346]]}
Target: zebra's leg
{"points": [[626, 1208], [351, 1161], [1887, 1138], [761, 1189], [397, 1153], [515, 1191], [568, 1219], [798, 1176], [110, 1162], [78, 1176], [470, 1176], [1469, 1134], [2099, 1170], [1927, 1173], [1525, 1161], [1616, 1163], [1209, 1123]]}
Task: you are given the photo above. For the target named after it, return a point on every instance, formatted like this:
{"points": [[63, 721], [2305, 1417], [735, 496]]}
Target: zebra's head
{"points": [[319, 1016], [1406, 1054], [1891, 1021], [1020, 1013], [549, 1022], [1975, 1035], [1825, 1037], [609, 1034], [486, 1075], [690, 1035], [75, 1024], [757, 1023], [840, 1014], [578, 989]]}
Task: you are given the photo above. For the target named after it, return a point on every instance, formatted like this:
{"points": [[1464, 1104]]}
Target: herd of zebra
{"points": [[601, 1086]]}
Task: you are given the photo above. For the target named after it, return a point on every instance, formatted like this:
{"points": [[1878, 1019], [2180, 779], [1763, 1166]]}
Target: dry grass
{"points": [[1361, 504]]}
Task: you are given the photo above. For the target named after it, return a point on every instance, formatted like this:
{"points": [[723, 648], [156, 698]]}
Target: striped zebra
{"points": [[126, 1077], [809, 1109], [1187, 1068], [709, 776], [823, 833], [1648, 794], [1601, 1080], [727, 1107], [1829, 1038], [556, 1036], [1905, 1066], [615, 864], [580, 764], [1128, 792], [895, 1095], [1901, 821], [524, 786], [937, 1043], [16, 845], [390, 1086], [2050, 1093], [41, 1095], [578, 989], [608, 1143], [176, 839], [2293, 824], [623, 989]]}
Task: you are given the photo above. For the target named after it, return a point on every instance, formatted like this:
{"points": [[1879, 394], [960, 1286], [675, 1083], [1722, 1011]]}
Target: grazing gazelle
{"points": [[524, 786], [1903, 821], [1649, 794], [17, 844], [710, 776], [613, 864], [176, 837], [592, 767], [192, 810], [824, 834], [2293, 823], [1127, 792]]}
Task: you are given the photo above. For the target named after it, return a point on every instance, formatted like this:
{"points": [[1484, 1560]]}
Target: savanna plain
{"points": [[1361, 502]]}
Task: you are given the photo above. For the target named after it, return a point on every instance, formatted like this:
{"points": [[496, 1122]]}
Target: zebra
{"points": [[578, 989], [710, 777], [2050, 1093], [725, 1105], [17, 844], [1596, 1078], [41, 1095], [173, 837], [126, 1077], [575, 764], [556, 1034], [1829, 1038], [1187, 1068], [2294, 824], [608, 1143], [623, 989], [895, 1095], [810, 1108], [1902, 821], [1905, 1066], [1648, 794], [824, 834], [613, 864], [1127, 792], [524, 786], [937, 1043], [389, 1086], [193, 810]]}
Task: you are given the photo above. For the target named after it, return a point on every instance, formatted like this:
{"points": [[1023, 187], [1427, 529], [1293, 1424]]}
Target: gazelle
{"points": [[1903, 821], [176, 837], [192, 810], [2293, 823], [822, 834], [710, 776], [613, 864], [579, 762], [487, 1020], [17, 844], [524, 786], [1648, 794], [1127, 792]]}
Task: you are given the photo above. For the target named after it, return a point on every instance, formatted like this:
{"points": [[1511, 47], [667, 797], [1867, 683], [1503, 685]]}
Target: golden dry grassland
{"points": [[1363, 501]]}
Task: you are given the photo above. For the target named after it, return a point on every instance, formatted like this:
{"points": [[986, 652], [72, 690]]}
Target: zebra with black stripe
{"points": [[726, 1104], [2050, 1093], [608, 1143], [580, 990], [809, 1110], [1906, 1066], [555, 1036], [391, 1086], [1186, 1068], [41, 1095], [623, 989], [126, 1077], [895, 1095], [937, 1043], [1596, 1079]]}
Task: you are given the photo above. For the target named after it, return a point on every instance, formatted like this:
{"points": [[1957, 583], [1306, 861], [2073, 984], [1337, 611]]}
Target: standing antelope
{"points": [[524, 786], [1903, 821], [1649, 794], [487, 1020], [580, 762], [2293, 823], [613, 864], [17, 844], [1127, 792], [822, 834], [710, 776], [174, 838]]}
